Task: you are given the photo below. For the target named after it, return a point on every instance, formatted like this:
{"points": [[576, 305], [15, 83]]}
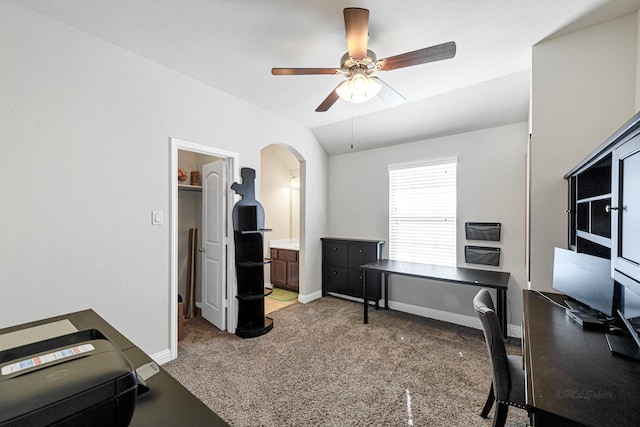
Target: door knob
{"points": [[610, 208], [202, 250]]}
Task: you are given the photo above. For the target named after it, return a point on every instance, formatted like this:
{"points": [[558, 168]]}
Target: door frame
{"points": [[231, 290]]}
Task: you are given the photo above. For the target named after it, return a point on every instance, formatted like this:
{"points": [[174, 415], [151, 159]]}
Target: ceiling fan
{"points": [[359, 63]]}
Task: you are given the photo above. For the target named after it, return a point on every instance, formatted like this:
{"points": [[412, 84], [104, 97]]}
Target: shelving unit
{"points": [[248, 226], [590, 194]]}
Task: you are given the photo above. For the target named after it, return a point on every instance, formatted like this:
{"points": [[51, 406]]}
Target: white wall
{"points": [[85, 159], [491, 183], [637, 82], [277, 163], [583, 89]]}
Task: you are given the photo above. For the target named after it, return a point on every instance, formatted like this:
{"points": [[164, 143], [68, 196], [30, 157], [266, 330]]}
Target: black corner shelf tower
{"points": [[248, 230]]}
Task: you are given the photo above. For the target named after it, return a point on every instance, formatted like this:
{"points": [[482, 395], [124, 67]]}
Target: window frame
{"points": [[402, 243]]}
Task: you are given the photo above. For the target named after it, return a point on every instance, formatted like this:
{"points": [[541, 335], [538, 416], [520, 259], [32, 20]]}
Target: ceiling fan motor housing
{"points": [[348, 64]]}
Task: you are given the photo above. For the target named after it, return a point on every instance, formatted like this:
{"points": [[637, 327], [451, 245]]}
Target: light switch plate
{"points": [[156, 217]]}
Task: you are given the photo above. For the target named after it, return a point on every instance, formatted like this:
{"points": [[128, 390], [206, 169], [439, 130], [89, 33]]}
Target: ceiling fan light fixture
{"points": [[358, 88]]}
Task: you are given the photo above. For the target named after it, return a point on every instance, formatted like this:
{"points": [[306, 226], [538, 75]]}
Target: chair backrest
{"points": [[495, 344]]}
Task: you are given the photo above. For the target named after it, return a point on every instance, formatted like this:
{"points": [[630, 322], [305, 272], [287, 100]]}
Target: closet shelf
{"points": [[186, 187]]}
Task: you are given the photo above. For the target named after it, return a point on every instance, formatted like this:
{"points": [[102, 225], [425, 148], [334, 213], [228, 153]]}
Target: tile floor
{"points": [[271, 305]]}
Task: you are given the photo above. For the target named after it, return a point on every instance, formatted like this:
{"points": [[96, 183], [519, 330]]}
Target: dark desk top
{"points": [[167, 403], [469, 276], [571, 373]]}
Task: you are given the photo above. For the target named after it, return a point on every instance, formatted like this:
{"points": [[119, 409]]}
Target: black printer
{"points": [[79, 379]]}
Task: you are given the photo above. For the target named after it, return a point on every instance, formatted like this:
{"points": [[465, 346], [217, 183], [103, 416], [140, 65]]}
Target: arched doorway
{"points": [[281, 185]]}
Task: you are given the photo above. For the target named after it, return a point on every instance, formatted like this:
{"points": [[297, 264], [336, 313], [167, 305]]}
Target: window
{"points": [[422, 212]]}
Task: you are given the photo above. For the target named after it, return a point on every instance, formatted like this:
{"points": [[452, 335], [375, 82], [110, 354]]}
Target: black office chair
{"points": [[507, 373]]}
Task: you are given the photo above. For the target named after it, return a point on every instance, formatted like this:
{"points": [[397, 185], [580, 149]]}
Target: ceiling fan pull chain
{"points": [[352, 106]]}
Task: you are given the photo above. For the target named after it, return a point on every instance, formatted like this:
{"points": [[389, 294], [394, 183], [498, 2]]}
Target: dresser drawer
{"points": [[374, 288], [355, 282], [335, 279], [362, 254], [335, 254]]}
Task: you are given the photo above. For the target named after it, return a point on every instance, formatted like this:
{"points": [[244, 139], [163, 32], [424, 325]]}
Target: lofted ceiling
{"points": [[232, 45]]}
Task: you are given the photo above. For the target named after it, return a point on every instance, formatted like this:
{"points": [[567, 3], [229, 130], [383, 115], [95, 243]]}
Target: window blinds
{"points": [[422, 213]]}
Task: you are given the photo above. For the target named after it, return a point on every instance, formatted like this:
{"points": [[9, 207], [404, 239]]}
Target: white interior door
{"points": [[214, 202]]}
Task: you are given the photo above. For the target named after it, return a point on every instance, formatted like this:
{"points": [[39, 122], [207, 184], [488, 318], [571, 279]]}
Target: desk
{"points": [[167, 403], [571, 377], [498, 280]]}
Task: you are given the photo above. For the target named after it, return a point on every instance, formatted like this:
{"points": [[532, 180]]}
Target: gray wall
{"points": [[583, 90], [491, 188], [85, 159]]}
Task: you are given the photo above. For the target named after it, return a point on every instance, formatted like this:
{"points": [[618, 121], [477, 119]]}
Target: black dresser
{"points": [[341, 259]]}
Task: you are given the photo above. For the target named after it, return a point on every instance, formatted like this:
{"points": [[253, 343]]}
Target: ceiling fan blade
{"points": [[389, 94], [420, 56], [329, 101], [356, 22], [303, 71]]}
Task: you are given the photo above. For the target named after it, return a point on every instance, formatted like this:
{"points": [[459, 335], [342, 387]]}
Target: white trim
{"points": [[397, 166], [515, 331], [446, 316], [162, 357], [350, 298], [234, 172], [309, 297]]}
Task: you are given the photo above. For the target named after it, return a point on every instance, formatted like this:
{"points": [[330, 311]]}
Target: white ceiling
{"points": [[232, 45]]}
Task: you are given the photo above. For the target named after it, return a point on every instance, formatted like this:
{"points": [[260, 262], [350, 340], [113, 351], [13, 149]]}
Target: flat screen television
{"points": [[585, 278]]}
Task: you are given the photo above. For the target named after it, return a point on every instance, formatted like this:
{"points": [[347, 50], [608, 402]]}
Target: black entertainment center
{"points": [[581, 353], [604, 230]]}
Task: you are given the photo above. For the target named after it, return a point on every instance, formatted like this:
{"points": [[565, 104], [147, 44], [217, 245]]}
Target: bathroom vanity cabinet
{"points": [[285, 269]]}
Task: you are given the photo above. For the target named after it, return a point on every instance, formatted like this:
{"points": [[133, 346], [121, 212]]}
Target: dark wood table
{"points": [[167, 403], [498, 280], [572, 379]]}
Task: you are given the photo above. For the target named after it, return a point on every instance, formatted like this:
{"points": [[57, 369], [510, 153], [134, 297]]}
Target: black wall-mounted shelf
{"points": [[489, 231], [482, 255]]}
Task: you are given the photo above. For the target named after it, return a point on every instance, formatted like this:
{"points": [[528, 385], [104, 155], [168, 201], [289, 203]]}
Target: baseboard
{"points": [[162, 357], [445, 316], [309, 297]]}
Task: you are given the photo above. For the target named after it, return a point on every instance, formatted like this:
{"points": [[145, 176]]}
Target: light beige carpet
{"points": [[321, 366]]}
